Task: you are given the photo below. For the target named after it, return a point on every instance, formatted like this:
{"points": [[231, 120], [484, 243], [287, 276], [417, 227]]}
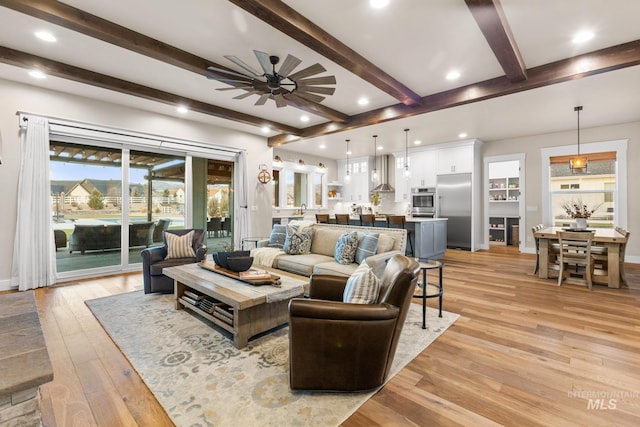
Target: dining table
{"points": [[609, 238]]}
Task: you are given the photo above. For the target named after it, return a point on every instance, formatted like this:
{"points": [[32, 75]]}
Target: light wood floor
{"points": [[520, 348]]}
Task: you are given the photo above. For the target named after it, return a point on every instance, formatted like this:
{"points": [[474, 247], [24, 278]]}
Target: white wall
{"points": [[18, 97], [531, 145]]}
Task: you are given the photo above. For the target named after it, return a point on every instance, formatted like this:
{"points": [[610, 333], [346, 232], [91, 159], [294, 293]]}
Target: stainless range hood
{"points": [[384, 186]]}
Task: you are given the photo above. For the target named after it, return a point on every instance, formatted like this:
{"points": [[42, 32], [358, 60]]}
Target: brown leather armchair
{"points": [[348, 347], [153, 261]]}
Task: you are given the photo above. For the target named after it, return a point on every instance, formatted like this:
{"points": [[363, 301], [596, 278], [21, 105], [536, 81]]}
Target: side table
{"points": [[430, 290], [253, 240]]}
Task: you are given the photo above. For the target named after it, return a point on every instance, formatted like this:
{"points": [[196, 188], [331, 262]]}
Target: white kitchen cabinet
{"points": [[355, 189], [402, 183], [457, 159], [423, 168]]}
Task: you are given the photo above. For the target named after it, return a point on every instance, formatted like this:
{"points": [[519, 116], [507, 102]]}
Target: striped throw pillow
{"points": [[179, 246], [278, 236], [362, 286]]}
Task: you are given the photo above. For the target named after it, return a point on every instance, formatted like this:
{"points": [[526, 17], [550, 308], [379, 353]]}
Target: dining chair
{"points": [[600, 255], [343, 219], [322, 218], [534, 230], [367, 220], [575, 255], [400, 221]]}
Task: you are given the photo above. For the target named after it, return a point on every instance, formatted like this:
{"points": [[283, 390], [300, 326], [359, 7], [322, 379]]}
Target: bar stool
{"points": [[322, 218], [367, 220], [343, 219], [399, 221], [430, 290]]}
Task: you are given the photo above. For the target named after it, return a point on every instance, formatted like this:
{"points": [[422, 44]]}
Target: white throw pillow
{"points": [[362, 286], [179, 246]]}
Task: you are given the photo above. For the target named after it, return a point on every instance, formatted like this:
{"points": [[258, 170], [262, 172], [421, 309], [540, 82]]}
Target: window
{"points": [[595, 189]]}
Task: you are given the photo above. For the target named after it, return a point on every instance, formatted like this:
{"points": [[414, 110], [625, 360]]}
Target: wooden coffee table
{"points": [[242, 309]]}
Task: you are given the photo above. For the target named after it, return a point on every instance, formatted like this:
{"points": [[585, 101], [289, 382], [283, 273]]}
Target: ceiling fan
{"points": [[281, 86]]}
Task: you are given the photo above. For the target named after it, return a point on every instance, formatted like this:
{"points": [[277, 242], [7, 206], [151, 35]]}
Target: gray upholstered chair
{"points": [[348, 347], [153, 261]]}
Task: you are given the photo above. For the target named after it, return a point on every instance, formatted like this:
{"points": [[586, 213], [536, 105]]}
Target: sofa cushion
{"points": [[335, 269], [298, 242], [346, 248], [367, 245], [386, 243], [325, 239], [301, 264], [179, 246], [278, 236], [362, 286]]}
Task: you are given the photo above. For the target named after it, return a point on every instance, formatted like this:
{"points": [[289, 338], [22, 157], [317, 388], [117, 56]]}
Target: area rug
{"points": [[201, 379]]}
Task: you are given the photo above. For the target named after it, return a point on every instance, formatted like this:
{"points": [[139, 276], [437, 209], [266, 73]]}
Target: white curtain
{"points": [[34, 262], [242, 211]]}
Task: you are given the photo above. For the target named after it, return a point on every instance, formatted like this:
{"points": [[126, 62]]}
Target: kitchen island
{"points": [[430, 237]]}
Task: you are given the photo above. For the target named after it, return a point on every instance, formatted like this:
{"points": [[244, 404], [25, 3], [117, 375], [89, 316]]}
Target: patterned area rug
{"points": [[201, 379]]}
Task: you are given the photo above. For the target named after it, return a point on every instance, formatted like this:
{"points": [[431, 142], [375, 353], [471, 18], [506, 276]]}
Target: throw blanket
{"points": [[301, 223], [265, 256]]}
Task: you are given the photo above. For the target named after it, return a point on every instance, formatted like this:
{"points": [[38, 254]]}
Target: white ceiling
{"points": [[416, 42]]}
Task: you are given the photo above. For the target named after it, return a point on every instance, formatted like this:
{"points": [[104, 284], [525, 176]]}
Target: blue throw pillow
{"points": [[346, 247], [278, 236], [298, 243], [367, 246]]}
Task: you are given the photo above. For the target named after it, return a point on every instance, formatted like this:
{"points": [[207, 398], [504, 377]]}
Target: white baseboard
{"points": [[5, 285]]}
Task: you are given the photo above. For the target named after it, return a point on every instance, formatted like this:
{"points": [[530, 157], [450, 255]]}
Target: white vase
{"points": [[581, 222]]}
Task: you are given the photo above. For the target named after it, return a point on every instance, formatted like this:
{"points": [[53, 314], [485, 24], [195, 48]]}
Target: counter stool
{"points": [[430, 290], [399, 221]]}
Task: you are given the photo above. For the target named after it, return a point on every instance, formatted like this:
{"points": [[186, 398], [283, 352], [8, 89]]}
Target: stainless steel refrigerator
{"points": [[454, 203]]}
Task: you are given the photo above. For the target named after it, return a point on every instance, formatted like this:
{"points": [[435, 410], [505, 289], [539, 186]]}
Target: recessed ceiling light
{"points": [[304, 119], [378, 4], [417, 142], [322, 146], [182, 109], [582, 36], [266, 129], [349, 152], [462, 135], [37, 74], [452, 75], [46, 36], [380, 147], [363, 101]]}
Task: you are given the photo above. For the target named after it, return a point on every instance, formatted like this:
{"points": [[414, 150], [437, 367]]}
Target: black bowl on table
{"points": [[221, 257], [239, 263]]}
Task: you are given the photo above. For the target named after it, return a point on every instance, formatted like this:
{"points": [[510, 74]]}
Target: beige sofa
{"points": [[321, 259]]}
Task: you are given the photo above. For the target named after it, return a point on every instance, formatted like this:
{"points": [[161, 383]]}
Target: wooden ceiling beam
{"points": [[69, 72], [85, 23], [588, 64], [492, 22], [284, 18]]}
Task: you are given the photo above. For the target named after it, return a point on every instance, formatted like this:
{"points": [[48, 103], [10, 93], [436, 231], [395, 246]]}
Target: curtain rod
{"points": [[24, 117]]}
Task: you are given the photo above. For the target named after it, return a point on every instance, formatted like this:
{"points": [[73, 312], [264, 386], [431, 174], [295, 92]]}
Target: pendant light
{"points": [[374, 175], [578, 164], [347, 176], [406, 153]]}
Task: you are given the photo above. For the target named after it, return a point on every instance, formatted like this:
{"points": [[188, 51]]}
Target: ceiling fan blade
{"points": [[280, 101], [264, 61], [309, 71], [326, 80], [263, 99], [318, 89], [309, 96], [240, 63], [245, 95], [289, 64], [235, 87], [222, 72]]}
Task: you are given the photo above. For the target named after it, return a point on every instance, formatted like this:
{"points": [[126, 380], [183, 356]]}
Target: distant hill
{"points": [[103, 186]]}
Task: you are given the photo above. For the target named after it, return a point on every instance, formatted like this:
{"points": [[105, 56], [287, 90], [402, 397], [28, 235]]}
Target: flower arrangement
{"points": [[375, 198], [578, 209]]}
